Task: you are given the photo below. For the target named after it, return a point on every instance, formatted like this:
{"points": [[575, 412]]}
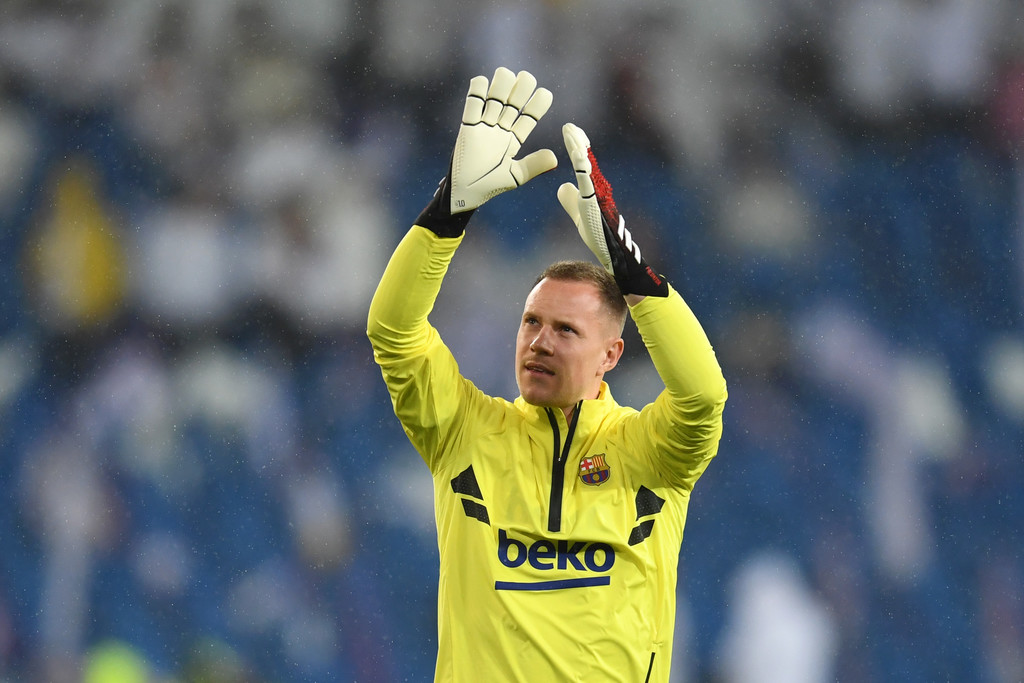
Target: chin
{"points": [[533, 398]]}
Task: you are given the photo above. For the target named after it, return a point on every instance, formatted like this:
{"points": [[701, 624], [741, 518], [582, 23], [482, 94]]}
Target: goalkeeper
{"points": [[559, 514]]}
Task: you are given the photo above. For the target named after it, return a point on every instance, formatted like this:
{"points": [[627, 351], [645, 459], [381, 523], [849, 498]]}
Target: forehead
{"points": [[564, 298]]}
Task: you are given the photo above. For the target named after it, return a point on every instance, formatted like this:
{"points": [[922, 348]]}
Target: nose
{"points": [[541, 342]]}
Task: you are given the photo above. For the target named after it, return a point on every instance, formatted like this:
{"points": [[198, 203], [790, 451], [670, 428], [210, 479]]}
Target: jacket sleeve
{"points": [[683, 426], [419, 370]]}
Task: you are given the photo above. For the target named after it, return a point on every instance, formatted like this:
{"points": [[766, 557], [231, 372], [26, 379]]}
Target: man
{"points": [[560, 514]]}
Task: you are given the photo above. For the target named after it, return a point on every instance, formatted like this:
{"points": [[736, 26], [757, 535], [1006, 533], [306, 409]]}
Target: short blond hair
{"points": [[585, 271]]}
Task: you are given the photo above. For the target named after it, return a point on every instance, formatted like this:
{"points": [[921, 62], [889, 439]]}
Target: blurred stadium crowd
{"points": [[202, 476]]}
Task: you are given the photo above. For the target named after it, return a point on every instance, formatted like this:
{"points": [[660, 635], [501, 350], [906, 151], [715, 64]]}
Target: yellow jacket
{"points": [[558, 542]]}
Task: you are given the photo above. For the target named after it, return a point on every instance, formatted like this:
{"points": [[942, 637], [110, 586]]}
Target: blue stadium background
{"points": [[202, 474]]}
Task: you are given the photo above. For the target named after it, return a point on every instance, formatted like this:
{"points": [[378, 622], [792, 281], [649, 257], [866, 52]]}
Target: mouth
{"points": [[537, 368]]}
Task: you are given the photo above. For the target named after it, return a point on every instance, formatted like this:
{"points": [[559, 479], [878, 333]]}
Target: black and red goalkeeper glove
{"points": [[599, 223]]}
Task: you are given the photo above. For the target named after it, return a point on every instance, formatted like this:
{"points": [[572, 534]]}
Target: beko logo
{"points": [[545, 555]]}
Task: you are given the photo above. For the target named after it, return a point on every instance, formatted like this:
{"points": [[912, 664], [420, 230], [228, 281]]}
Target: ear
{"points": [[612, 354]]}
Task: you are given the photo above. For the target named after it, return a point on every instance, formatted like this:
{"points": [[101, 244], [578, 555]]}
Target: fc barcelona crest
{"points": [[594, 470]]}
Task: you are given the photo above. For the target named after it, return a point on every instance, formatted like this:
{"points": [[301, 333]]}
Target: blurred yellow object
{"points": [[114, 662], [76, 261]]}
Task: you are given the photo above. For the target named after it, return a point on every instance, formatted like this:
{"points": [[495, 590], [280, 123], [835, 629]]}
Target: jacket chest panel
{"points": [[518, 485]]}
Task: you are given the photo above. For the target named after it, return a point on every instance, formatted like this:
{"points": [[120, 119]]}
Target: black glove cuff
{"points": [[633, 277], [437, 216], [644, 282]]}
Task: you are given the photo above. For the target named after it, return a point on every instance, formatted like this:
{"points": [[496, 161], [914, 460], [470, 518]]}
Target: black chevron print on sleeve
{"points": [[466, 485], [475, 510], [640, 533], [647, 503]]}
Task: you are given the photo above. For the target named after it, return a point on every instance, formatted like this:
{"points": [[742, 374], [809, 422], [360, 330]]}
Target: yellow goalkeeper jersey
{"points": [[559, 541]]}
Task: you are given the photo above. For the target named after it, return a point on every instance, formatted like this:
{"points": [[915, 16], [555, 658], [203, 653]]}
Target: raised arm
{"points": [[418, 369], [683, 426]]}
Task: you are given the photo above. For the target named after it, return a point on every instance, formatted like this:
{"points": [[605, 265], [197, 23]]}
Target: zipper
{"points": [[650, 669], [558, 460]]}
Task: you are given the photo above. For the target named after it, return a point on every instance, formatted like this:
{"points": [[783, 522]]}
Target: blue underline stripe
{"points": [[552, 585]]}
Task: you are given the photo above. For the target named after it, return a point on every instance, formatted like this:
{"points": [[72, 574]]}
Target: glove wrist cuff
{"points": [[632, 273], [642, 281], [438, 217]]}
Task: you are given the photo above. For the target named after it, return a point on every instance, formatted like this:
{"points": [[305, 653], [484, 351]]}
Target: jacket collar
{"points": [[591, 410]]}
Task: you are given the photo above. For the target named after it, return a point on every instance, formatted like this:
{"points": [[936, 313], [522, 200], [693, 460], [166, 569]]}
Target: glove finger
{"points": [[577, 145], [583, 179], [497, 95], [587, 217], [576, 141], [522, 90], [474, 108], [538, 104], [532, 113], [533, 164], [569, 198]]}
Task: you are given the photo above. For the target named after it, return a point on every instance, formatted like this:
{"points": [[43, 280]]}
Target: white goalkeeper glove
{"points": [[497, 118], [599, 223]]}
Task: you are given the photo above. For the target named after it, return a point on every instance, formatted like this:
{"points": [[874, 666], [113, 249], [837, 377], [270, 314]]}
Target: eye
{"points": [[567, 329]]}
